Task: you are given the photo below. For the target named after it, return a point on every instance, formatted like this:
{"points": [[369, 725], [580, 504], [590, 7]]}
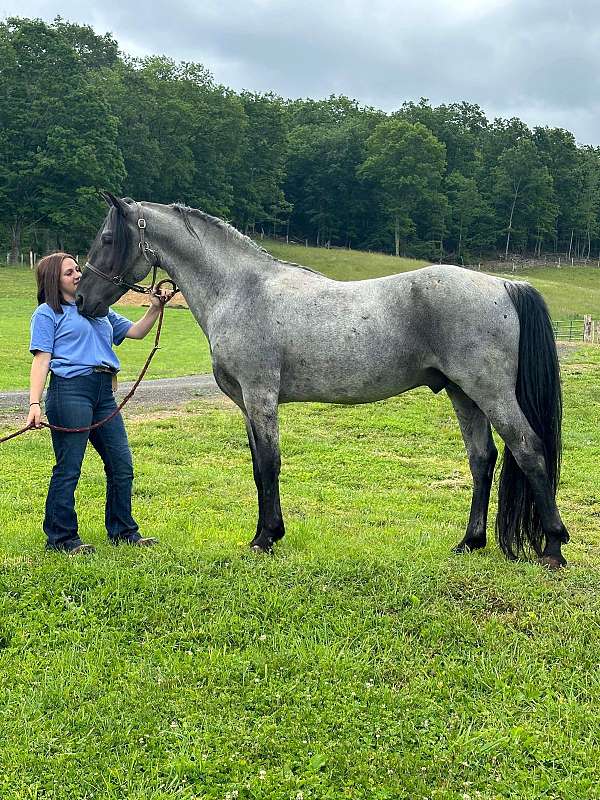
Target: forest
{"points": [[443, 183]]}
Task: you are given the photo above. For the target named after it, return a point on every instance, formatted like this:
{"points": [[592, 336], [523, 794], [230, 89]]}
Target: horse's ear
{"points": [[122, 206]]}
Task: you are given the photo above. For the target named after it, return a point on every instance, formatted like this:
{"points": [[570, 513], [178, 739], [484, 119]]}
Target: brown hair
{"points": [[47, 273]]}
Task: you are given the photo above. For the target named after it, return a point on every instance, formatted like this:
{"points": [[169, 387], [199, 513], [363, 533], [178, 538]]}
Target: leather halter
{"points": [[149, 254]]}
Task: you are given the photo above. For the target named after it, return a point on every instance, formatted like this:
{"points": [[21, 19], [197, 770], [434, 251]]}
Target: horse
{"points": [[281, 333]]}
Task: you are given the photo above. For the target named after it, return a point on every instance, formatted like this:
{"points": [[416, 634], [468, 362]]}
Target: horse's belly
{"points": [[356, 387]]}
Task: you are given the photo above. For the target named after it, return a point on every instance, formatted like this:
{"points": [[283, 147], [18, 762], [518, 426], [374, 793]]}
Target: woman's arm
{"points": [[37, 381], [140, 328]]}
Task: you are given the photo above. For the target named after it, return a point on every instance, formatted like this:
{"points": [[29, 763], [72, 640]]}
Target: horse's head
{"points": [[115, 260]]}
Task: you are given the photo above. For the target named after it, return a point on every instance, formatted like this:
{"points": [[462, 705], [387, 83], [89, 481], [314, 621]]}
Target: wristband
{"points": [[35, 404]]}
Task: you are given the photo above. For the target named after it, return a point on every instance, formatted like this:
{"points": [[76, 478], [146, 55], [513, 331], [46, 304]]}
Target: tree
{"points": [[330, 203], [558, 152], [468, 214], [57, 135], [406, 162], [588, 206], [259, 168], [524, 190], [460, 126]]}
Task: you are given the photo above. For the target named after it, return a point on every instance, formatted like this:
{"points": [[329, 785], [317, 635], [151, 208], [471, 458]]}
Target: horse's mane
{"points": [[230, 232]]}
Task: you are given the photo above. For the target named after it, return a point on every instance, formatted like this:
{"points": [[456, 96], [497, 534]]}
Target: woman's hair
{"points": [[47, 273]]}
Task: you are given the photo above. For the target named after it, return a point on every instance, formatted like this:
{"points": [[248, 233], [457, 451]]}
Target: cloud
{"points": [[535, 59]]}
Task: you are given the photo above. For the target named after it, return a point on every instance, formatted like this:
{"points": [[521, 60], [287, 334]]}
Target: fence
{"points": [[584, 329]]}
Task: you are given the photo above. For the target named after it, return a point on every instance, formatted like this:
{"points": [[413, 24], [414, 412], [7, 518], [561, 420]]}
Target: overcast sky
{"points": [[535, 59]]}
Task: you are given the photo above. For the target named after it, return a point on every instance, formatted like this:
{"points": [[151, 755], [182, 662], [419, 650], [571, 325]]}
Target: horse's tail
{"points": [[518, 525]]}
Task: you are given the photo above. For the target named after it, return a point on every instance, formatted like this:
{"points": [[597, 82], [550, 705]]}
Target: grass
{"points": [[363, 660], [184, 349], [568, 292]]}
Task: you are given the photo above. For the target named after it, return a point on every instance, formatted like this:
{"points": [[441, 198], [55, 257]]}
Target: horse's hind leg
{"points": [[477, 436], [261, 416], [528, 452]]}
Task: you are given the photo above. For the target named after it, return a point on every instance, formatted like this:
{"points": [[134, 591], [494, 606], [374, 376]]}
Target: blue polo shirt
{"points": [[77, 343]]}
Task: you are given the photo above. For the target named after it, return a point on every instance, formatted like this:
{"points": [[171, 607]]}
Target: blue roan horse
{"points": [[281, 333]]}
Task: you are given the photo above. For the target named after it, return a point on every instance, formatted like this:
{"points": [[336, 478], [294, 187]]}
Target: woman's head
{"points": [[57, 278]]}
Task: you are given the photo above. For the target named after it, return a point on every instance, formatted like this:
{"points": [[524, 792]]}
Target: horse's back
{"points": [[358, 341]]}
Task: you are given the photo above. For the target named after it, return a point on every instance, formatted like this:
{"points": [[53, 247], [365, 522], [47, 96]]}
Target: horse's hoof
{"points": [[256, 547], [464, 547], [460, 549], [553, 562]]}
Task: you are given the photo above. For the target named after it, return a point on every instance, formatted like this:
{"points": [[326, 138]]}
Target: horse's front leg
{"points": [[257, 477], [263, 437]]}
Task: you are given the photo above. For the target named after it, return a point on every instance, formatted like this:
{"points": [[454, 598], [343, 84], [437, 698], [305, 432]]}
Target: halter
{"points": [[149, 254]]}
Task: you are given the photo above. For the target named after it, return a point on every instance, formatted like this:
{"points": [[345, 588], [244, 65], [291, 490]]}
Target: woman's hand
{"points": [[34, 417], [160, 297]]}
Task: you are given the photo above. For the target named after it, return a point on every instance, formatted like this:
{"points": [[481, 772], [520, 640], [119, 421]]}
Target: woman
{"points": [[78, 353]]}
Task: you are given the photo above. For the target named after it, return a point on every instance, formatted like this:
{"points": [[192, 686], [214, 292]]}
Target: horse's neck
{"points": [[210, 268]]}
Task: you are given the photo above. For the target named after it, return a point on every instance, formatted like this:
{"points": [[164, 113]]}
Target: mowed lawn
{"points": [[363, 660], [184, 349]]}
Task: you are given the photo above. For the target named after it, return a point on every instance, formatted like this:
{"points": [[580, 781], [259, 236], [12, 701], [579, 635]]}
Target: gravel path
{"points": [[150, 394]]}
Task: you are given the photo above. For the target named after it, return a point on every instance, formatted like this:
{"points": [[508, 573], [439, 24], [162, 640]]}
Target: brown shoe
{"points": [[145, 541], [82, 550], [74, 547], [134, 539]]}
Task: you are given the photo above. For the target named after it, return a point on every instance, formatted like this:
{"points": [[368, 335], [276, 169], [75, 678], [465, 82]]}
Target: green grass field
{"points": [[185, 351], [362, 660]]}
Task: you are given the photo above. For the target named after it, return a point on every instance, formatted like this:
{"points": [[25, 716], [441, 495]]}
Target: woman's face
{"points": [[70, 273]]}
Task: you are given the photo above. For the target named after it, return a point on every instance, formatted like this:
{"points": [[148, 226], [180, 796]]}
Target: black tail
{"points": [[538, 391]]}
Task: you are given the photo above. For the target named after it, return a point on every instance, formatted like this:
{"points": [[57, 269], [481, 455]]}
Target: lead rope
{"points": [[119, 407]]}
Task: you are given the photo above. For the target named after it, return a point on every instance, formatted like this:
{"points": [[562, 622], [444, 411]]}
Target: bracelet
{"points": [[35, 404]]}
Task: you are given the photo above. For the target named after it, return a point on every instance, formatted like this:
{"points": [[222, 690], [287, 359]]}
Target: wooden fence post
{"points": [[587, 328]]}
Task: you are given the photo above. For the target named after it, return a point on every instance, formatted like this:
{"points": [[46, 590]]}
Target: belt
{"points": [[110, 370]]}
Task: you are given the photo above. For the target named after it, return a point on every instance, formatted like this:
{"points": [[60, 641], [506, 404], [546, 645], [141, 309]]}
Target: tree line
{"points": [[441, 183]]}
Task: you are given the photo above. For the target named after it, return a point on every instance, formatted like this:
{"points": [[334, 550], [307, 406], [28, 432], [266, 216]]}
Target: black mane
{"points": [[230, 231], [120, 249]]}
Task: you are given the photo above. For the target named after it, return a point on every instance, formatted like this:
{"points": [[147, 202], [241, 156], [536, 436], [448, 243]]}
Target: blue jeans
{"points": [[76, 403]]}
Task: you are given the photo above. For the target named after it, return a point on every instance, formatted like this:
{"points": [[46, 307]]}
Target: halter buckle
{"points": [[141, 223]]}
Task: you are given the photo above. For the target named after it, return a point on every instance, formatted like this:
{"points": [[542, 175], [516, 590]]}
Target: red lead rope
{"points": [[115, 412]]}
